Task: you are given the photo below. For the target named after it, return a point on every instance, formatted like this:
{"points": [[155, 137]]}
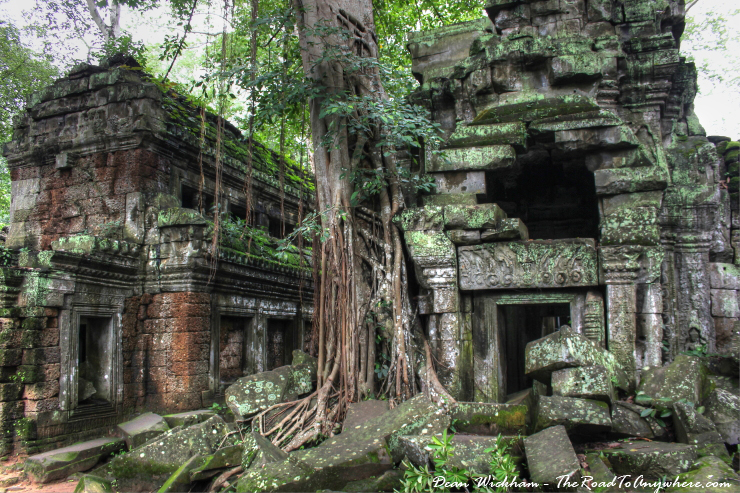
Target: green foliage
{"points": [[711, 39], [421, 479], [658, 408], [503, 467], [6, 256]]}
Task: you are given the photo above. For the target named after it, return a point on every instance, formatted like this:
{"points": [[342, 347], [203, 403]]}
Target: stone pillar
{"points": [[620, 268], [650, 325], [694, 314], [593, 318]]}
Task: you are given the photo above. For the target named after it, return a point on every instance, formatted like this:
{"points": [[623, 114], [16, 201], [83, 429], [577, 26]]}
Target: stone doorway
{"points": [[502, 325], [95, 362], [233, 338], [519, 325], [279, 343]]}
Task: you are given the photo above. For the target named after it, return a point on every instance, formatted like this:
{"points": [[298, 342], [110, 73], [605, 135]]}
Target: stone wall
{"points": [[565, 120], [113, 295]]}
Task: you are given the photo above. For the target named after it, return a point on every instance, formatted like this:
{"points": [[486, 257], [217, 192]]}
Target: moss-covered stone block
{"points": [[550, 456], [535, 107], [579, 416], [428, 218], [60, 463], [179, 216], [711, 474], [429, 244], [685, 378], [567, 349], [481, 216], [514, 134], [444, 199], [652, 460], [473, 159], [636, 226], [93, 484], [507, 229], [585, 382], [489, 419], [723, 408]]}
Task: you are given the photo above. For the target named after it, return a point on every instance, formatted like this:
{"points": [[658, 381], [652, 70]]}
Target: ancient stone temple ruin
{"points": [[583, 237], [575, 187], [112, 299]]}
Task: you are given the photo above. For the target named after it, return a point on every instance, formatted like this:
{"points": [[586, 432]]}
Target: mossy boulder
{"points": [[213, 464], [188, 418], [568, 349], [685, 378], [355, 454], [388, 481], [707, 472], [602, 479]]}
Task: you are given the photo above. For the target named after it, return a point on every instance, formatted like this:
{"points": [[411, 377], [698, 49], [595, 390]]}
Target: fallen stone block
{"points": [[693, 428], [254, 393], [469, 451], [188, 418], [627, 422], [355, 454], [60, 463], [211, 465], [685, 378], [723, 408], [93, 484], [360, 412], [602, 479], [568, 349], [180, 479], [507, 229], [550, 455], [388, 481], [585, 382], [707, 472], [578, 416], [652, 460], [472, 216], [149, 466], [141, 429], [267, 452], [483, 418]]}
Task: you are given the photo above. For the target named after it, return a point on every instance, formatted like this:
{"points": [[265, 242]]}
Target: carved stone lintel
{"points": [[528, 264]]}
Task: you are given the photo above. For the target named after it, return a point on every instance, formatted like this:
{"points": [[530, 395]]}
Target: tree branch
{"points": [[93, 9]]}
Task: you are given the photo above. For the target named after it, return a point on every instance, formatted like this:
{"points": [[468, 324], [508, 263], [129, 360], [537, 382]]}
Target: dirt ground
{"points": [[13, 480]]}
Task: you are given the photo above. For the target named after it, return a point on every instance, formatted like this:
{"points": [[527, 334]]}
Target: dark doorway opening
{"points": [[232, 350], [191, 199], [95, 361], [519, 325], [279, 343]]}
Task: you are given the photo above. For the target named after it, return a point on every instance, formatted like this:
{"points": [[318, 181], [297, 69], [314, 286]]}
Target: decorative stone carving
{"points": [[593, 318], [530, 264]]}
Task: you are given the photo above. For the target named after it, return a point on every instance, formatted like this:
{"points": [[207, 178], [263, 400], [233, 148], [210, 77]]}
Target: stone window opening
{"points": [[190, 199], [521, 324], [555, 200]]}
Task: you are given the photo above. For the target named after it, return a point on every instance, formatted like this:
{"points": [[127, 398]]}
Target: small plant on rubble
{"points": [[422, 479], [502, 466]]}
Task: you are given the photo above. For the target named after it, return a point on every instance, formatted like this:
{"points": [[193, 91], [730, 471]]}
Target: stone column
{"points": [[620, 268], [694, 315], [650, 324]]}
